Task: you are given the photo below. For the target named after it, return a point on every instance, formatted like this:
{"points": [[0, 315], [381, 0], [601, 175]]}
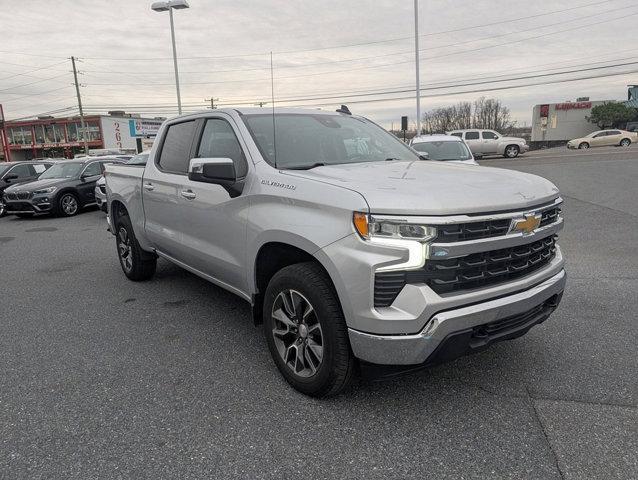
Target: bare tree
{"points": [[488, 113]]}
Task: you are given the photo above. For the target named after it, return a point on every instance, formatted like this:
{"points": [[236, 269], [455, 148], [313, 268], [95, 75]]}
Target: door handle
{"points": [[188, 194], [149, 186]]}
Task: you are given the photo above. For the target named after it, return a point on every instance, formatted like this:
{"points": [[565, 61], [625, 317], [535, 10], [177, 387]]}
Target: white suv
{"points": [[489, 142]]}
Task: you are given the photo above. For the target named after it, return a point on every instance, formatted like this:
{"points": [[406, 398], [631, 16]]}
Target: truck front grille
{"points": [[461, 232], [478, 270]]}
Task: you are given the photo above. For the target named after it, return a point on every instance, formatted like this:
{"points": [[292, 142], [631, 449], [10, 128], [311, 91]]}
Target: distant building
{"points": [[63, 137], [555, 123], [559, 122]]}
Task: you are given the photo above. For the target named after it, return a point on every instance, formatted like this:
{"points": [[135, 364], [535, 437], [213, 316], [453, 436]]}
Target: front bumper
{"points": [[100, 199], [32, 205], [455, 332]]}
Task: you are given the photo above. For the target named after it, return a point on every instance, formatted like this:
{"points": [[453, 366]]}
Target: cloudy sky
{"points": [[325, 53]]}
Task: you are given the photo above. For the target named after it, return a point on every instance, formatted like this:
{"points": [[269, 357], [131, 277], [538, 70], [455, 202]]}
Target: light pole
{"points": [[169, 6], [416, 58]]}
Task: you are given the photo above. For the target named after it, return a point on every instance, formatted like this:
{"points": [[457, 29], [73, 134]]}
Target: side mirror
{"points": [[8, 178], [424, 156], [477, 155], [220, 171]]}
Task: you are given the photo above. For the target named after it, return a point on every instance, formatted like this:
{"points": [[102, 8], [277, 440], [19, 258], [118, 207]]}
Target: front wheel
{"points": [[136, 263], [67, 205], [583, 146], [625, 142], [511, 151], [306, 331]]}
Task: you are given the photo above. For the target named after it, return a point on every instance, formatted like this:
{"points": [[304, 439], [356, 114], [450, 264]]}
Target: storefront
{"points": [[64, 137]]}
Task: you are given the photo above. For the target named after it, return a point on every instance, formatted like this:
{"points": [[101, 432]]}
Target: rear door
{"points": [[163, 181], [212, 222], [613, 137], [473, 140]]}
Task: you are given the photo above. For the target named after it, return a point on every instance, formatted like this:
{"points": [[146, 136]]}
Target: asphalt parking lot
{"points": [[104, 378]]}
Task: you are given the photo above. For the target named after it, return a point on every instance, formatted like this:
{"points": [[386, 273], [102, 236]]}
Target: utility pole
{"points": [[416, 57], [212, 102], [77, 91]]}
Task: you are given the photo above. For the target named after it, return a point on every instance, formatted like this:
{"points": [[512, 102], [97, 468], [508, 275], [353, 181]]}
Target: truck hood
{"points": [[435, 188]]}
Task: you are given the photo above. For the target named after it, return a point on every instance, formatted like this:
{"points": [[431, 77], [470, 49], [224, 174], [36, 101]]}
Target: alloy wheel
{"points": [[69, 204], [511, 152], [124, 249], [3, 209], [297, 333]]}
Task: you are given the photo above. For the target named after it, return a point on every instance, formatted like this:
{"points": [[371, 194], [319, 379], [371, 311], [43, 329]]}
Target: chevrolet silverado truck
{"points": [[354, 251]]}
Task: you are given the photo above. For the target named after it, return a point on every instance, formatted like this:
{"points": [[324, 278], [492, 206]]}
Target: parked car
{"points": [[443, 148], [100, 186], [64, 189], [489, 142], [15, 173], [604, 138], [351, 249]]}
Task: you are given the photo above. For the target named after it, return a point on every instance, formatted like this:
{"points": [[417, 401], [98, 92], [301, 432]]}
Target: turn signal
{"points": [[360, 221]]}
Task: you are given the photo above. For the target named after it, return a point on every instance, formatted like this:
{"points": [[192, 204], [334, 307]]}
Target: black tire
{"points": [[625, 142], [511, 151], [3, 209], [137, 264], [336, 367], [583, 146], [67, 204]]}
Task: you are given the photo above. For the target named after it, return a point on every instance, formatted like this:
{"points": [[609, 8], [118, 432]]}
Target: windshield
{"points": [[444, 150], [63, 170], [3, 168], [138, 159], [306, 140]]}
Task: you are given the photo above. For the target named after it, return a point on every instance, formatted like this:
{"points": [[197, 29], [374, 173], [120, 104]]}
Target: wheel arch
{"points": [[272, 256]]}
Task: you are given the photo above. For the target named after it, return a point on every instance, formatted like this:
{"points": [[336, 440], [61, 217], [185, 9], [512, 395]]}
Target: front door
{"points": [[490, 142], [599, 139], [213, 222]]}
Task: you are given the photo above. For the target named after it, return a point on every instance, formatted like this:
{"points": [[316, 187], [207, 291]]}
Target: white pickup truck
{"points": [[352, 249]]}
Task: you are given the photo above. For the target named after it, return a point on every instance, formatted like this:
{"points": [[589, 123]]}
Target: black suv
{"points": [[14, 173], [64, 189]]}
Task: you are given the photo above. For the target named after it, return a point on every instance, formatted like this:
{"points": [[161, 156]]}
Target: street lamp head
{"points": [[167, 5]]}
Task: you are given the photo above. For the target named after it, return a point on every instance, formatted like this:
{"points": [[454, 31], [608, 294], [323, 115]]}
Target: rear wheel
{"points": [[67, 205], [583, 146], [136, 263], [511, 151], [306, 332], [625, 142]]}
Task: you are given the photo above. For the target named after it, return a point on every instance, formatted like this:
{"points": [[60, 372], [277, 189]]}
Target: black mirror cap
{"points": [[8, 178]]}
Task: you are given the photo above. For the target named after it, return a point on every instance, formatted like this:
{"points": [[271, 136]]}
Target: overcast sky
{"points": [[125, 53]]}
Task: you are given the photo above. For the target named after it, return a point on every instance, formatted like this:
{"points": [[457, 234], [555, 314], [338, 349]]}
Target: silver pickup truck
{"points": [[354, 252]]}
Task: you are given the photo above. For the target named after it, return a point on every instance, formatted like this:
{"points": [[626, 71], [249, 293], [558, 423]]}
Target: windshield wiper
{"points": [[306, 167]]}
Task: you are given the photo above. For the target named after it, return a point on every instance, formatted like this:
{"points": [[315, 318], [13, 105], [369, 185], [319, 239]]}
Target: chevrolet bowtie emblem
{"points": [[528, 225]]}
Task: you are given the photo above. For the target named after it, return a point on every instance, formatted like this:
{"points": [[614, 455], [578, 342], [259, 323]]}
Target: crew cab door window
{"points": [[176, 148], [219, 141], [489, 136], [471, 135]]}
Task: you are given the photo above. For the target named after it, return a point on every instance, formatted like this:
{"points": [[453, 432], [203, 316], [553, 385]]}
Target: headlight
{"points": [[44, 191], [386, 228]]}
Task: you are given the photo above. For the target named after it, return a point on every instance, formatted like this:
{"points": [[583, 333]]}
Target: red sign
{"points": [[572, 105]]}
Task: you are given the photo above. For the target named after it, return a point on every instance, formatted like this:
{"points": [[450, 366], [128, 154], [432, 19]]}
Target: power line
{"points": [[31, 71], [31, 83], [396, 91]]}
